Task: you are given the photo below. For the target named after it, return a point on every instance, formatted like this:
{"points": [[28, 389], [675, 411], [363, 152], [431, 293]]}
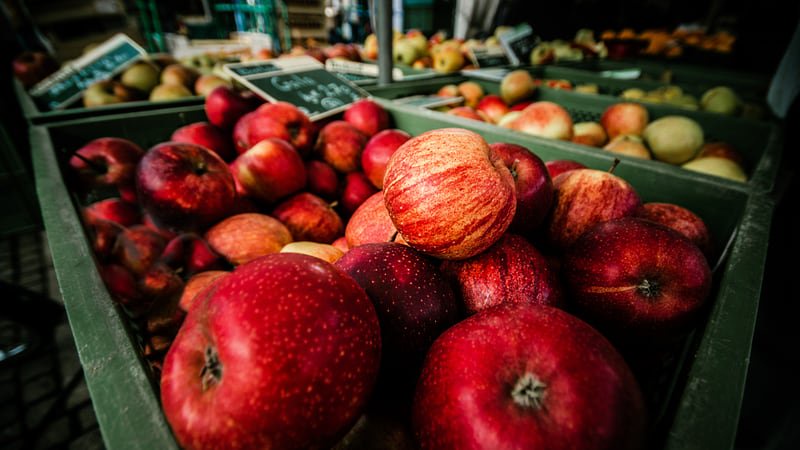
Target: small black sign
{"points": [[519, 43], [484, 58], [253, 69]]}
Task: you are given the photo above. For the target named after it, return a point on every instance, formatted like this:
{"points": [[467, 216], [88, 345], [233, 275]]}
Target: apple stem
{"points": [[614, 165], [529, 391], [212, 370], [99, 168], [394, 236]]}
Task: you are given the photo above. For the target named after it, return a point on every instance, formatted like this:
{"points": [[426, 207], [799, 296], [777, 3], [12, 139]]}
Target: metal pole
{"points": [[384, 33]]}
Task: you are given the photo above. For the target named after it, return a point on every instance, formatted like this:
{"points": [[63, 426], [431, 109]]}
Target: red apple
{"points": [[206, 135], [357, 189], [189, 254], [636, 280], [295, 127], [103, 237], [270, 170], [377, 152], [197, 284], [184, 186], [533, 186], [370, 223], [121, 284], [31, 67], [448, 195], [286, 347], [160, 284], [367, 116], [114, 210], [545, 119], [164, 232], [520, 106], [309, 218], [253, 127], [559, 166], [679, 219], [322, 179], [245, 237], [584, 198], [340, 145], [137, 248], [527, 376], [510, 271], [624, 118], [493, 107], [224, 107], [106, 161], [466, 112]]}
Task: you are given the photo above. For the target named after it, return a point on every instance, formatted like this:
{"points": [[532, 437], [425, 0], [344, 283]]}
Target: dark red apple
{"points": [[252, 128], [138, 247], [286, 347], [245, 237], [510, 271], [189, 253], [679, 219], [558, 166], [367, 116], [370, 223], [270, 170], [184, 186], [322, 179], [224, 107], [357, 189], [31, 67], [106, 161], [114, 210], [309, 218], [447, 195], [520, 106], [533, 186], [636, 280], [121, 284], [584, 198], [295, 127], [103, 237], [377, 152], [527, 376], [340, 145], [206, 135]]}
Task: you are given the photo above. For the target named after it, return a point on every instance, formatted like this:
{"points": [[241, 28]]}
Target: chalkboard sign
{"points": [[518, 44], [484, 57], [245, 70], [314, 90], [64, 87], [371, 70]]}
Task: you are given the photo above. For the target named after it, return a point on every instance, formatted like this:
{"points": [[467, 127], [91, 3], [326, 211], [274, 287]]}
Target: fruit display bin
{"points": [[760, 142], [35, 116], [695, 400]]}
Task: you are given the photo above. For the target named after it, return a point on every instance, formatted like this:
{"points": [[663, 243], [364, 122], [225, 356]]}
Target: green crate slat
{"points": [[760, 142], [125, 398]]}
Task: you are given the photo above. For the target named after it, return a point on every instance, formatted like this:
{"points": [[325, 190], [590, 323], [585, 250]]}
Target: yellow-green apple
{"points": [[721, 150], [448, 60], [624, 118], [367, 116], [516, 85], [527, 376], [532, 183], [224, 106], [679, 219], [322, 179], [637, 280], [558, 166], [371, 47], [448, 90], [137, 248], [309, 218], [405, 52], [545, 119], [31, 67], [448, 195], [340, 144], [584, 198], [510, 271], [673, 139], [270, 170], [165, 92], [377, 152], [492, 107], [357, 189], [207, 83], [107, 92], [184, 186], [321, 334], [587, 88], [112, 209], [414, 302], [370, 223], [325, 252], [106, 161], [722, 100], [717, 166], [466, 112], [179, 75], [543, 53], [589, 133], [196, 284], [206, 135], [628, 144], [189, 253], [143, 76], [245, 237], [472, 93]]}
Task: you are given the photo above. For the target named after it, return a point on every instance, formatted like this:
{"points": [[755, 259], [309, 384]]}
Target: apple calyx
{"points": [[529, 391], [649, 288], [211, 374], [614, 166], [513, 168]]}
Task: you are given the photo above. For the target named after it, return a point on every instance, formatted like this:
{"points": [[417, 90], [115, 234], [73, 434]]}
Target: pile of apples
{"points": [[307, 284], [624, 128]]}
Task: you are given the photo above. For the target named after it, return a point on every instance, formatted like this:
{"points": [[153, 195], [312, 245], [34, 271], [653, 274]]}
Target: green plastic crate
{"points": [[699, 399], [760, 143]]}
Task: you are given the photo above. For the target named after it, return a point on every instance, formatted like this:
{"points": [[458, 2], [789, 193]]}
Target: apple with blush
{"points": [[721, 150], [508, 119], [679, 219], [629, 145], [341, 244], [245, 237], [103, 237], [206, 84], [357, 189], [516, 85], [558, 166], [472, 93], [448, 90], [589, 133], [206, 135], [189, 253], [466, 112], [224, 106], [325, 252], [114, 210], [340, 144], [122, 285], [196, 284], [370, 223], [309, 218], [322, 179], [545, 119], [107, 161], [295, 127], [377, 152], [270, 170], [519, 106], [137, 248], [367, 116], [533, 185], [625, 118], [493, 108]]}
